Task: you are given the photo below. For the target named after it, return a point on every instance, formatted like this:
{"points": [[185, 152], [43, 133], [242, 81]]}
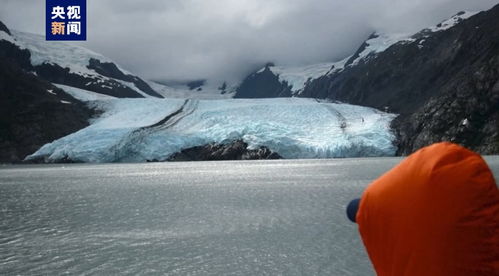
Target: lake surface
{"points": [[204, 218]]}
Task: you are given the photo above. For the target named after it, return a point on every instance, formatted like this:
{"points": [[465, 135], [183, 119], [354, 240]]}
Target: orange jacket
{"points": [[436, 213]]}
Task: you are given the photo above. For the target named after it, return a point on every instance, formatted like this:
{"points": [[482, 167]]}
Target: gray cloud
{"points": [[225, 39]]}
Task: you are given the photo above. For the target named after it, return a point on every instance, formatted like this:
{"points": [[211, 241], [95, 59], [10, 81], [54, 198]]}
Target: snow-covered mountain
{"points": [[73, 66], [296, 78], [443, 82], [137, 130], [67, 64]]}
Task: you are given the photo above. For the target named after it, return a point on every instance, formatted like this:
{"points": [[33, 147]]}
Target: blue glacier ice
{"points": [[136, 130]]}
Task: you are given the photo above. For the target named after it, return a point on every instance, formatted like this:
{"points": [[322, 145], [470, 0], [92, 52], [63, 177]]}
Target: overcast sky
{"points": [[225, 39]]}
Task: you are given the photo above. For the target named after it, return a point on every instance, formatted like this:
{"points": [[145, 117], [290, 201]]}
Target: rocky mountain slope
{"points": [[263, 84], [444, 84], [271, 81], [34, 111], [443, 81]]}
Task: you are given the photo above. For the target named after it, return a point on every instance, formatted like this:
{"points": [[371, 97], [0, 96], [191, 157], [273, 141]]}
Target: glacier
{"points": [[139, 130]]}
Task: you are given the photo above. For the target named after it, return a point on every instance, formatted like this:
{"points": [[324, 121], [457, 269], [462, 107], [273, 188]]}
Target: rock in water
{"points": [[237, 150]]}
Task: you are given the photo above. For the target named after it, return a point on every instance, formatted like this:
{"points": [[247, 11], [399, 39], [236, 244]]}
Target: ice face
{"points": [[129, 131]]}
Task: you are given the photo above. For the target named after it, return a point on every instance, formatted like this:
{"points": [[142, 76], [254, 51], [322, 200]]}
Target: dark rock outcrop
{"points": [[56, 74], [4, 28], [466, 112], [237, 150], [263, 84], [443, 85], [13, 54], [33, 112], [196, 85], [109, 69], [223, 88]]}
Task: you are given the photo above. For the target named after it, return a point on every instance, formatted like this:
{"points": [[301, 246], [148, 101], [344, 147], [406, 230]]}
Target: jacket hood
{"points": [[436, 213]]}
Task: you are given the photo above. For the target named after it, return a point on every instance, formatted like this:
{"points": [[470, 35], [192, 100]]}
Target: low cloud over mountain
{"points": [[226, 39]]}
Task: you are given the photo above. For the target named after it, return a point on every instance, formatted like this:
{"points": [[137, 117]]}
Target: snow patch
{"points": [[83, 95], [297, 76], [451, 22], [66, 55], [5, 36], [133, 87], [379, 44]]}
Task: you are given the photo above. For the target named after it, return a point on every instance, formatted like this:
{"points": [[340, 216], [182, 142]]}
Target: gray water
{"points": [[204, 218]]}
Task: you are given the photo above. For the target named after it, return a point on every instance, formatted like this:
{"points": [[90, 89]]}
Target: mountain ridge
{"points": [[75, 66], [417, 74], [443, 82], [34, 111]]}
